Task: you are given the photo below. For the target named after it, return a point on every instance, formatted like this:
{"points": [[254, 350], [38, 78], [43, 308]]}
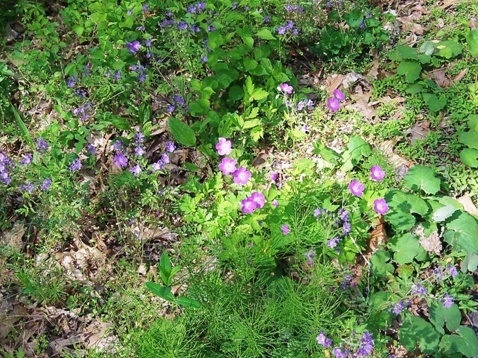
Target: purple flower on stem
{"points": [[71, 82], [227, 166], [120, 160], [165, 158], [310, 255], [117, 145], [182, 25], [136, 170], [447, 300], [339, 95], [75, 165], [356, 188], [398, 308], [45, 185], [133, 46], [224, 146], [339, 352], [333, 104], [42, 145], [452, 270], [139, 151], [258, 198], [27, 159], [248, 206], [323, 340], [285, 88], [275, 203], [332, 243], [377, 173], [380, 206], [285, 229], [418, 289], [91, 149], [28, 187], [367, 345], [241, 176]]}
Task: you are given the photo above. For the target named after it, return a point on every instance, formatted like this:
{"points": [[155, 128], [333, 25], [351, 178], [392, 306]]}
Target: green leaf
{"points": [[469, 138], [410, 69], [161, 291], [181, 132], [258, 94], [78, 30], [403, 52], [423, 178], [406, 247], [357, 149], [470, 263], [165, 268], [236, 93], [462, 233], [265, 34], [434, 102], [188, 302], [199, 107], [440, 316], [469, 157], [119, 122], [415, 331], [444, 213], [472, 120], [464, 342], [23, 128], [448, 49], [472, 40], [144, 113], [428, 47]]}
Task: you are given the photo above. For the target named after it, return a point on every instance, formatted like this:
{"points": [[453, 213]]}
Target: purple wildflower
{"points": [[120, 160], [285, 229], [380, 206], [248, 206], [310, 255], [323, 340], [164, 158], [241, 176], [224, 146], [356, 188], [452, 270], [398, 307], [71, 82], [285, 88], [136, 170], [170, 108], [332, 243], [339, 352], [227, 166], [139, 151], [27, 159], [377, 173], [133, 46], [418, 289], [117, 145], [75, 165], [170, 146], [27, 187], [45, 185], [333, 104], [339, 95], [367, 345], [281, 30], [258, 198], [42, 145], [447, 300], [145, 7], [158, 165], [182, 25], [275, 203]]}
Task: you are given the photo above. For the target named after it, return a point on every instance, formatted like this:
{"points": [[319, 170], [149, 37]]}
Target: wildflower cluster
{"points": [[288, 27], [363, 348], [356, 188], [333, 103]]}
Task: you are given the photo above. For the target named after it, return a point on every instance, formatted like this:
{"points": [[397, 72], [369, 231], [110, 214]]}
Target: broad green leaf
{"points": [[469, 138], [165, 268], [265, 34], [403, 52], [416, 331], [464, 342], [428, 47], [470, 263], [448, 49], [258, 94], [160, 291], [23, 128], [144, 113], [472, 40], [78, 30], [469, 157], [472, 120], [199, 107], [434, 102], [410, 69], [463, 233], [381, 263], [236, 93], [441, 316], [423, 178], [181, 132], [444, 213], [120, 122], [406, 247]]}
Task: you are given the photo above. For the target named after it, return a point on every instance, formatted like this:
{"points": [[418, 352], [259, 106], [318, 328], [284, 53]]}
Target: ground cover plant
{"points": [[238, 179]]}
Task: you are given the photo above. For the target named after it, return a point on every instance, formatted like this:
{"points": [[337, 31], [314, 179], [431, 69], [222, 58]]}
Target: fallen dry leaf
{"points": [[468, 204], [440, 77], [333, 82], [448, 3], [419, 131], [460, 76], [398, 162], [13, 237], [431, 243]]}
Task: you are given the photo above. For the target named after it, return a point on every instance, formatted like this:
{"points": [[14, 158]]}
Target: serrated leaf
{"points": [[410, 69], [181, 132], [469, 157], [265, 34], [405, 248], [434, 102], [449, 49], [444, 213], [258, 94], [423, 178], [416, 331], [427, 48]]}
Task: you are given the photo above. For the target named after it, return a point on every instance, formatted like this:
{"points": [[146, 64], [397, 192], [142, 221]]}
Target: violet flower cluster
{"points": [[356, 188], [333, 103], [364, 347], [5, 163], [288, 27]]}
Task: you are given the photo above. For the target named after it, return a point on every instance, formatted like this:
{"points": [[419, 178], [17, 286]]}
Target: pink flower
{"points": [[285, 229], [248, 206], [377, 173], [285, 88], [333, 104], [224, 146], [356, 188], [380, 206], [227, 166], [339, 95], [275, 203], [258, 198], [241, 176]]}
